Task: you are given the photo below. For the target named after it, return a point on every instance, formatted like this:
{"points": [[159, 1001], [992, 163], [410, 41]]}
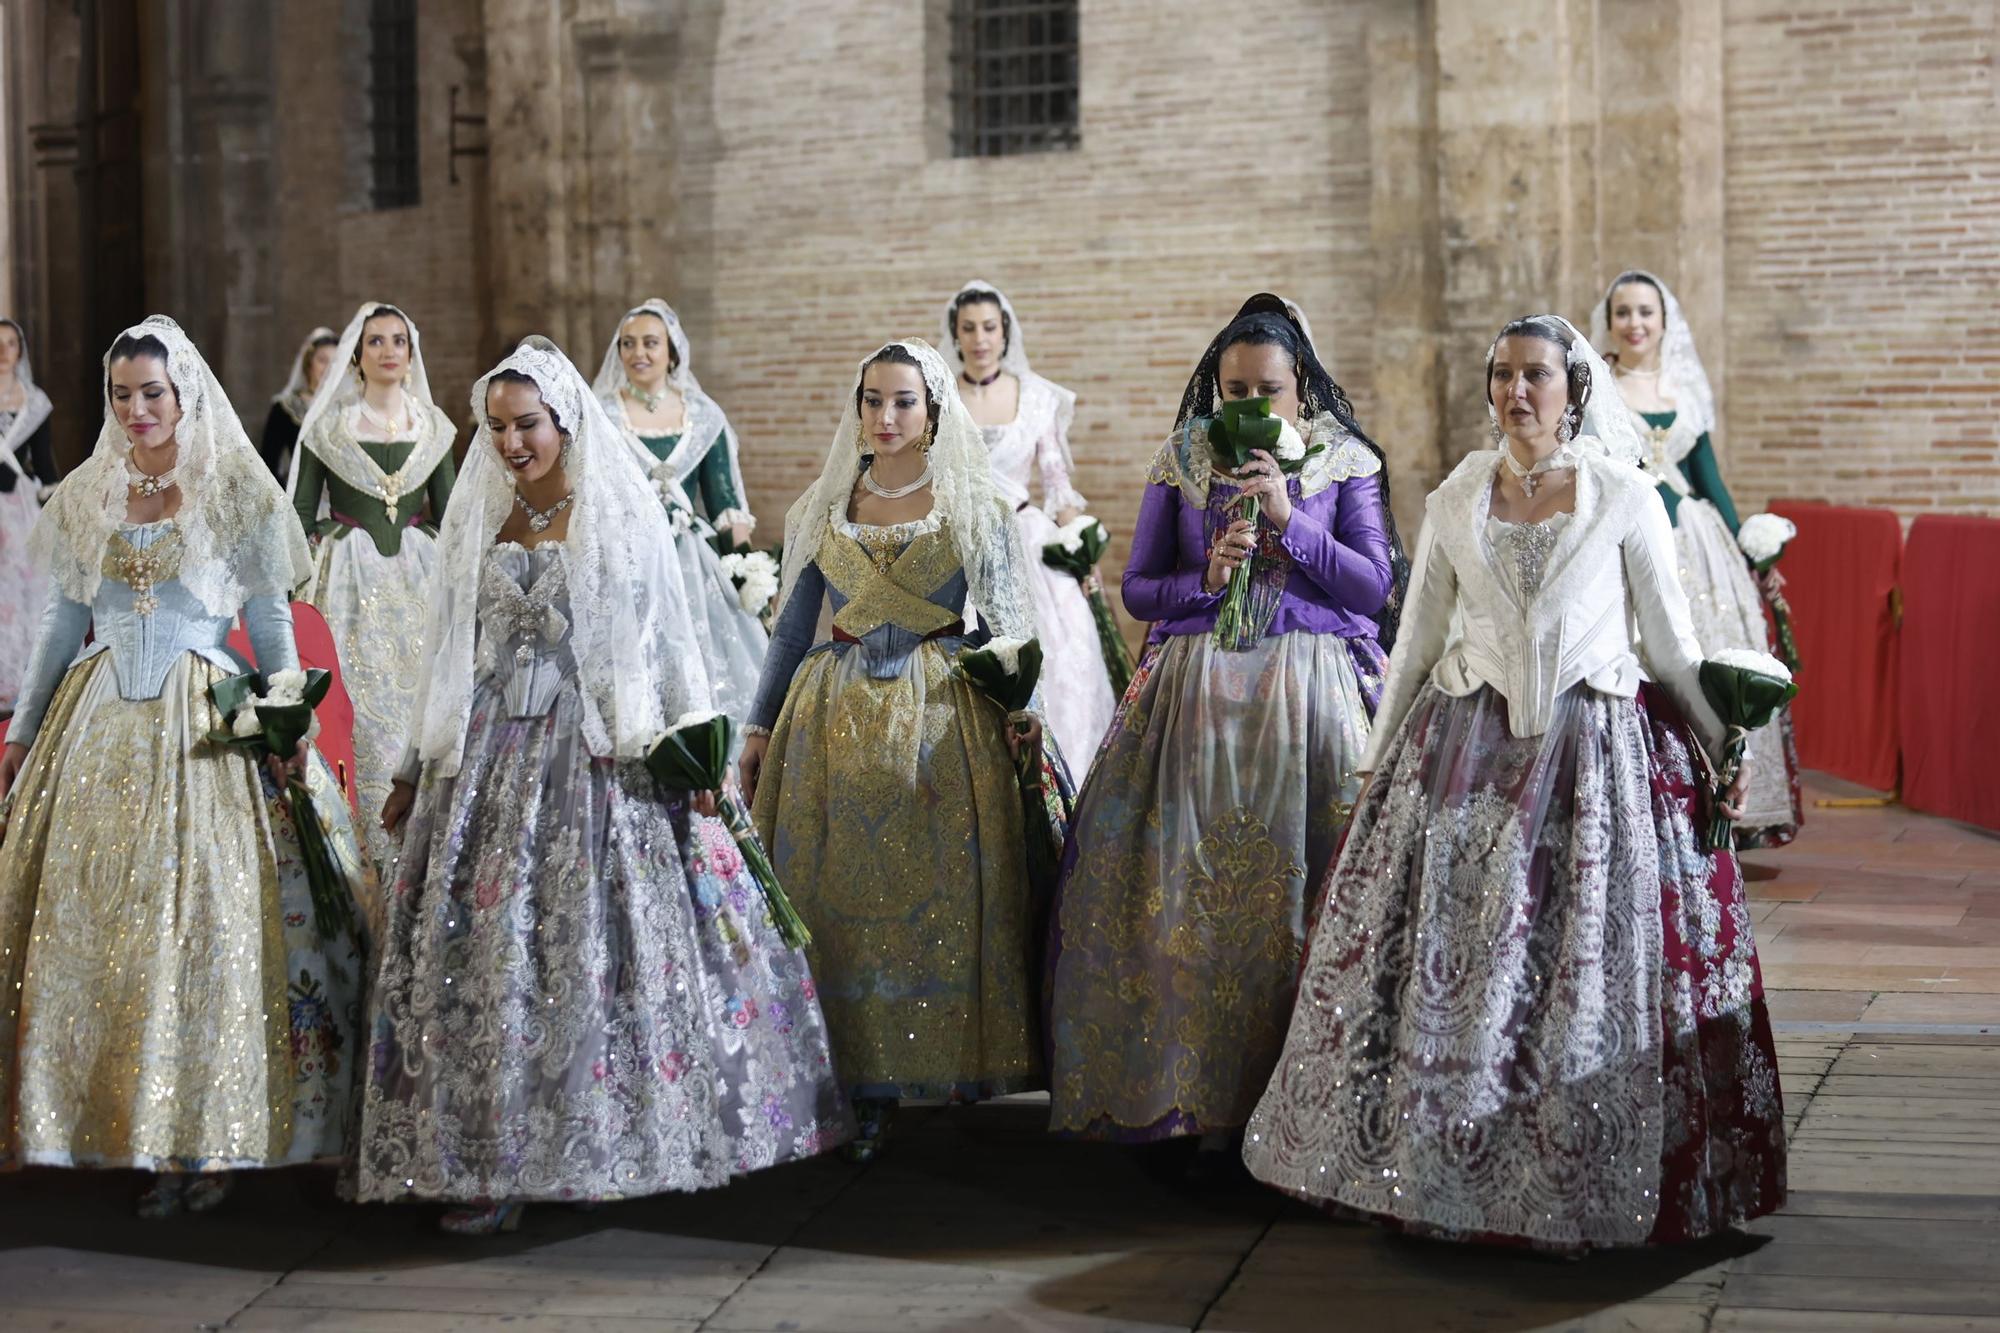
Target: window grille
{"points": [[1014, 77], [392, 102]]}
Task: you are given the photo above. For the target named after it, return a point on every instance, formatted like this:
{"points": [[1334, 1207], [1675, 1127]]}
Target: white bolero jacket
{"points": [[1609, 584]]}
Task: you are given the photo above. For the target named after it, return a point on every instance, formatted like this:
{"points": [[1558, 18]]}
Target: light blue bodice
{"points": [[146, 628], [524, 626]]}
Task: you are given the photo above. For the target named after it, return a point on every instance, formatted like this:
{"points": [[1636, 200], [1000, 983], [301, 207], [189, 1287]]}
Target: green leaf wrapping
{"points": [[1744, 700], [332, 896], [695, 758], [1013, 692], [1080, 563]]}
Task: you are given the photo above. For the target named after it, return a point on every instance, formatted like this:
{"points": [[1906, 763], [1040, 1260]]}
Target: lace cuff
{"points": [[733, 517], [752, 729]]}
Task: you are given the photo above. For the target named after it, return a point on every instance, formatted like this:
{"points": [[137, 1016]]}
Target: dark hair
{"points": [[512, 376], [983, 296], [1264, 321], [129, 348], [379, 312], [896, 354], [324, 340], [1633, 275], [1548, 330]]}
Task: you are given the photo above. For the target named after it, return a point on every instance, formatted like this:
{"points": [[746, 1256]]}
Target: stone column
{"points": [[626, 219], [528, 178]]}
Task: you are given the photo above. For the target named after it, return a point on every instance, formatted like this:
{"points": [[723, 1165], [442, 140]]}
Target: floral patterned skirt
{"points": [[1531, 1010], [169, 1003], [1213, 808], [582, 994], [893, 817]]}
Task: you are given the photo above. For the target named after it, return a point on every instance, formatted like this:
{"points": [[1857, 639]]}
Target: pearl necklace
{"points": [[539, 519], [148, 485], [1531, 477], [896, 492], [649, 401], [384, 424]]}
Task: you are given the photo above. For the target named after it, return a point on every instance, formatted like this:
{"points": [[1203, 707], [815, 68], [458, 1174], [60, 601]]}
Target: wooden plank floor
{"points": [[1882, 944]]}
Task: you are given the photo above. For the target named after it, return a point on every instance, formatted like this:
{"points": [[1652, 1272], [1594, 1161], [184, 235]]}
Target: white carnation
{"points": [[760, 562], [1763, 536], [1007, 652], [694, 717], [286, 687], [1291, 445], [732, 564], [1071, 534], [1749, 659], [246, 723], [756, 592]]}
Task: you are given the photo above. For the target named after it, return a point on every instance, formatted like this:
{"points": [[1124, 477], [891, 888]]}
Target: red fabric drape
{"points": [[1840, 575], [1950, 711], [336, 711]]}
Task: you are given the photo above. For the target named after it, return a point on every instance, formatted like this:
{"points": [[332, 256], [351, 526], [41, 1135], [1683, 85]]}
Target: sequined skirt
{"points": [[376, 607], [169, 1004], [1213, 807], [892, 815], [581, 995], [1531, 1008]]}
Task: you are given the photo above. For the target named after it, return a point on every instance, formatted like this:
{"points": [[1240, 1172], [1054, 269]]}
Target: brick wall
{"points": [[1862, 193], [831, 227]]}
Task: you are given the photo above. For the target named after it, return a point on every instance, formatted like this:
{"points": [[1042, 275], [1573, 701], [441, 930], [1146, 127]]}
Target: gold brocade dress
{"points": [[889, 804], [166, 1002]]}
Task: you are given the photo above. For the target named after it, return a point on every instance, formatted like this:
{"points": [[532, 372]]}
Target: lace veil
{"points": [[637, 660], [705, 417], [341, 389], [239, 539], [293, 397], [963, 496], [1682, 377], [35, 405], [1014, 360]]}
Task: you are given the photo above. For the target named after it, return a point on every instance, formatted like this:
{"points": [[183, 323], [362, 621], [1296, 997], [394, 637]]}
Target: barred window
{"points": [[392, 102], [1014, 77]]}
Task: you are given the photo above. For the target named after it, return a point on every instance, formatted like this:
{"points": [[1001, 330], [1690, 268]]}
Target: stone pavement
{"points": [[1882, 945]]}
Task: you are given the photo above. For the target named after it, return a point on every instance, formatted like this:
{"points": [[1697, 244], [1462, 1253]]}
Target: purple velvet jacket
{"points": [[1337, 541]]}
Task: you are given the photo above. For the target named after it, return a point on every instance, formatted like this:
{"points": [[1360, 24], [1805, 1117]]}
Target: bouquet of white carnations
{"points": [[271, 719], [694, 756], [1007, 671], [1746, 689], [1763, 538], [1237, 429], [1078, 546], [755, 574]]}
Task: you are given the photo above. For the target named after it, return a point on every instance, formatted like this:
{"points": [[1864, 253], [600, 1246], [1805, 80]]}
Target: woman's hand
{"points": [[703, 803], [750, 764], [739, 534], [1263, 478], [284, 771], [397, 808], [1231, 549], [1024, 735], [1066, 514], [10, 766], [1732, 800]]}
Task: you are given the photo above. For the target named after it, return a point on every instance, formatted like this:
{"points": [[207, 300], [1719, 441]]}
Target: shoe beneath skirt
{"points": [[488, 1221]]}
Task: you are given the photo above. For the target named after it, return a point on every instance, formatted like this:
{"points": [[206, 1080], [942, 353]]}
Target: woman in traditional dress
{"points": [[370, 480], [882, 779], [25, 465], [288, 409], [685, 443], [1218, 796], [582, 995], [1660, 377], [1025, 420], [166, 1002], [1530, 1010]]}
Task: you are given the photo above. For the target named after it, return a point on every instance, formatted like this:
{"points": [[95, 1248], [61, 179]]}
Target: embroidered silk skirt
{"points": [[376, 606], [582, 994], [168, 1003], [893, 816], [1531, 1009], [732, 641], [1076, 685], [1214, 806], [23, 589]]}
